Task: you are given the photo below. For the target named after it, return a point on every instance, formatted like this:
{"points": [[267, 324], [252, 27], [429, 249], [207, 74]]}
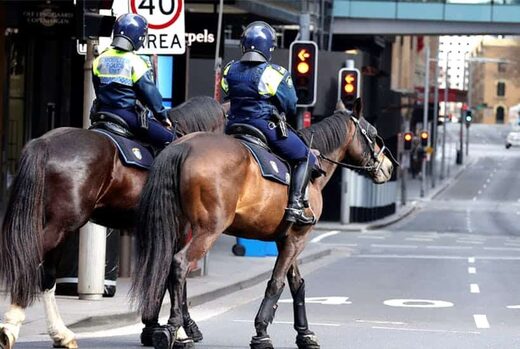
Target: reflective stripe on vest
{"points": [[270, 80]]}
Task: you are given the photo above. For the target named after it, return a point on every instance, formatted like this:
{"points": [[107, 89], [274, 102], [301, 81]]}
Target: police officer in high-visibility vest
{"points": [[258, 91], [121, 78]]}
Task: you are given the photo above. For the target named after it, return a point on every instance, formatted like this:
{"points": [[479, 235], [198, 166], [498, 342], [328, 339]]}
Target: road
{"points": [[447, 276]]}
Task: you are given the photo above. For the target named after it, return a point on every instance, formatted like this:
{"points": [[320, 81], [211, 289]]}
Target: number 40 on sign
{"points": [[165, 25]]}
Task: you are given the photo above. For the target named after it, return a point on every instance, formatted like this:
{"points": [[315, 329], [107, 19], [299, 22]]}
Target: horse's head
{"points": [[367, 149]]}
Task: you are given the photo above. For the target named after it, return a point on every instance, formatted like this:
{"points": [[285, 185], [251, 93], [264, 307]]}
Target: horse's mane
{"points": [[329, 134], [201, 113]]}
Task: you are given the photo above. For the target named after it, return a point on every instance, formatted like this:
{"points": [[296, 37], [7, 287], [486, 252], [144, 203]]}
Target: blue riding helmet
{"points": [[257, 42], [129, 32]]}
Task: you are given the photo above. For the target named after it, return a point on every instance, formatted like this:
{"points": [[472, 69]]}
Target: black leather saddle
{"points": [[248, 133], [110, 122]]}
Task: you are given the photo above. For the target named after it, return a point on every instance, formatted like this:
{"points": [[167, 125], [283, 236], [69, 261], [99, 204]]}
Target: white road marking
{"points": [[442, 247], [484, 186], [473, 288], [321, 300], [479, 192], [417, 303], [291, 323], [481, 321], [325, 235], [400, 256], [371, 237], [472, 270], [393, 246], [502, 248], [512, 244], [488, 180], [382, 322], [419, 239], [422, 330], [513, 307], [471, 259], [469, 242], [474, 198]]}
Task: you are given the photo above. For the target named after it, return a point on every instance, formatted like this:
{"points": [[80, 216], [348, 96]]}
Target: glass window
{"points": [[501, 89]]}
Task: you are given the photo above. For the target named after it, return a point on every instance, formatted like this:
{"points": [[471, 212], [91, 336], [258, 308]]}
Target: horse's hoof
{"points": [[162, 338], [193, 331], [261, 342], [146, 336], [307, 341], [184, 344], [6, 339], [72, 344]]}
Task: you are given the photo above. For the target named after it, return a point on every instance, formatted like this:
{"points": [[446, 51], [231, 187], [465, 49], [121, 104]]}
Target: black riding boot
{"points": [[295, 212]]}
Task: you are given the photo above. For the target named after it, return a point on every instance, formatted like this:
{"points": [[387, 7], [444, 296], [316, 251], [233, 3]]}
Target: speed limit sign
{"points": [[165, 25]]}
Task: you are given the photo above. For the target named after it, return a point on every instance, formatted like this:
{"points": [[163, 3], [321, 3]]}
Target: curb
{"points": [[406, 211], [130, 317]]}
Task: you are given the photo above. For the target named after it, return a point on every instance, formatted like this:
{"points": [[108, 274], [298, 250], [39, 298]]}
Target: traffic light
{"points": [[424, 138], [468, 118], [407, 140], [303, 62], [89, 23], [348, 85]]}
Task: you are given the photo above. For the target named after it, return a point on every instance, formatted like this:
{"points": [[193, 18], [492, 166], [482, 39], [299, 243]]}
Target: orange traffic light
{"points": [[348, 85], [424, 138], [408, 137], [303, 62]]}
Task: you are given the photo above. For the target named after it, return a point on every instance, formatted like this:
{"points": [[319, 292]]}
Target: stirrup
{"points": [[297, 216]]}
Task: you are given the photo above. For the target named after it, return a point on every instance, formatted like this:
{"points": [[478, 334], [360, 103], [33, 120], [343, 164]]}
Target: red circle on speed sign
{"points": [[172, 20]]}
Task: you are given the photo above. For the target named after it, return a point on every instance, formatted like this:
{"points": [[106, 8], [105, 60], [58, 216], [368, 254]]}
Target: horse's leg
{"points": [[191, 328], [61, 336], [10, 328], [288, 250], [150, 326], [174, 330], [305, 339]]}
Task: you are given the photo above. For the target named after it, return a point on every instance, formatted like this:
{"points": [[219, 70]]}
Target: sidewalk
{"points": [[413, 202], [226, 274]]}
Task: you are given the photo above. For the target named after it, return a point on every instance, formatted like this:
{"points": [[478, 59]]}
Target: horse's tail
{"points": [[22, 230], [157, 229]]}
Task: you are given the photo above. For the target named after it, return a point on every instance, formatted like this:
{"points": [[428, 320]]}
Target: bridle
{"points": [[371, 142]]}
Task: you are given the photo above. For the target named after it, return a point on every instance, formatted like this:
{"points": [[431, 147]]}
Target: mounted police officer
{"points": [[259, 92], [121, 78]]}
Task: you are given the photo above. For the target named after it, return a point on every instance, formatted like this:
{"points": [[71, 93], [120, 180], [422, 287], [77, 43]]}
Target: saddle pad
{"points": [[271, 166], [131, 153]]}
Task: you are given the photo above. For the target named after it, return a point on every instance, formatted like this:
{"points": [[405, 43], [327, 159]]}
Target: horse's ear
{"points": [[340, 106], [358, 107]]}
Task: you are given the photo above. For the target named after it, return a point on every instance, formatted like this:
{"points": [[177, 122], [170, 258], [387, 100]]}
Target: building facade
{"points": [[495, 86]]}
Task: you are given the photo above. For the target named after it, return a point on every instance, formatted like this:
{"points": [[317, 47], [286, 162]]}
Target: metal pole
{"points": [[425, 110], [446, 87], [435, 121], [305, 24], [92, 237], [461, 145], [470, 101]]}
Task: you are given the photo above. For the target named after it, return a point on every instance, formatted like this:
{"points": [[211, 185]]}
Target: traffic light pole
{"points": [[425, 111], [446, 87], [305, 25], [92, 237], [470, 101], [435, 123]]}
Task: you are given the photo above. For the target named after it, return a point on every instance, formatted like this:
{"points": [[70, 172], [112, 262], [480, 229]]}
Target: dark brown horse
{"points": [[66, 178], [212, 184]]}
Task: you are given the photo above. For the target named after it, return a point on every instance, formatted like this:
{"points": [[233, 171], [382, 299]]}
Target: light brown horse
{"points": [[212, 184]]}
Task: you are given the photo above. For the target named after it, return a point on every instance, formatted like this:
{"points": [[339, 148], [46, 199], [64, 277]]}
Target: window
{"points": [[501, 89]]}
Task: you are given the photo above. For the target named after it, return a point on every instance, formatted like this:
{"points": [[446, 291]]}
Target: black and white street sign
{"points": [[165, 25]]}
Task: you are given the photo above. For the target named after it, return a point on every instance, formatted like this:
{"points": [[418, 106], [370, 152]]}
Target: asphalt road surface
{"points": [[447, 276]]}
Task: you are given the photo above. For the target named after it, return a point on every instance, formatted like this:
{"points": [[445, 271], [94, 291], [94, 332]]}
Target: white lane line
{"points": [[441, 247], [479, 192], [392, 246], [469, 242], [382, 322], [419, 239], [425, 256], [421, 330], [325, 235], [472, 270], [502, 248], [488, 180], [371, 237], [513, 307], [481, 321], [484, 186], [292, 323], [471, 259], [473, 288], [474, 198]]}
